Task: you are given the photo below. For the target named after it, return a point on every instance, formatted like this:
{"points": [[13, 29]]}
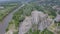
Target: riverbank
{"points": [[4, 24], [15, 20], [6, 11]]}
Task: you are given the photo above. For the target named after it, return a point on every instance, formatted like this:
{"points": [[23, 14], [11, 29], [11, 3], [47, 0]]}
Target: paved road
{"points": [[4, 24]]}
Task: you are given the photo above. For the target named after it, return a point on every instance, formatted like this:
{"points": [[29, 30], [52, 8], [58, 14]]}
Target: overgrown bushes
{"points": [[39, 32], [19, 16]]}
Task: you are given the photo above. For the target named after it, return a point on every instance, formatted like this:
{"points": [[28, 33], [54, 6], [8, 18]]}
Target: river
{"points": [[4, 24]]}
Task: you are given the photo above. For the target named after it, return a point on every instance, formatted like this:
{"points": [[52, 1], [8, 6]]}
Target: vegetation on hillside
{"points": [[39, 32], [6, 10], [19, 16]]}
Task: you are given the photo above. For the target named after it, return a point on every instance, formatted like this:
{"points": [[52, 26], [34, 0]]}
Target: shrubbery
{"points": [[19, 16], [39, 32]]}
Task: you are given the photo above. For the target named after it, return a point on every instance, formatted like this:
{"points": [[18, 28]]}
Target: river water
{"points": [[4, 24]]}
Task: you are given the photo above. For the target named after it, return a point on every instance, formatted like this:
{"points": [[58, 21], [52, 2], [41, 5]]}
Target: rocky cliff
{"points": [[37, 21], [40, 20]]}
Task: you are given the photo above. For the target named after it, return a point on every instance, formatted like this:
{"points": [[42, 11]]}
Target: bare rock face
{"points": [[40, 20], [57, 19], [35, 16], [25, 25], [37, 21], [44, 22]]}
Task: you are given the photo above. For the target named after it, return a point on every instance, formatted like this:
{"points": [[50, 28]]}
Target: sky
{"points": [[6, 0], [15, 0]]}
